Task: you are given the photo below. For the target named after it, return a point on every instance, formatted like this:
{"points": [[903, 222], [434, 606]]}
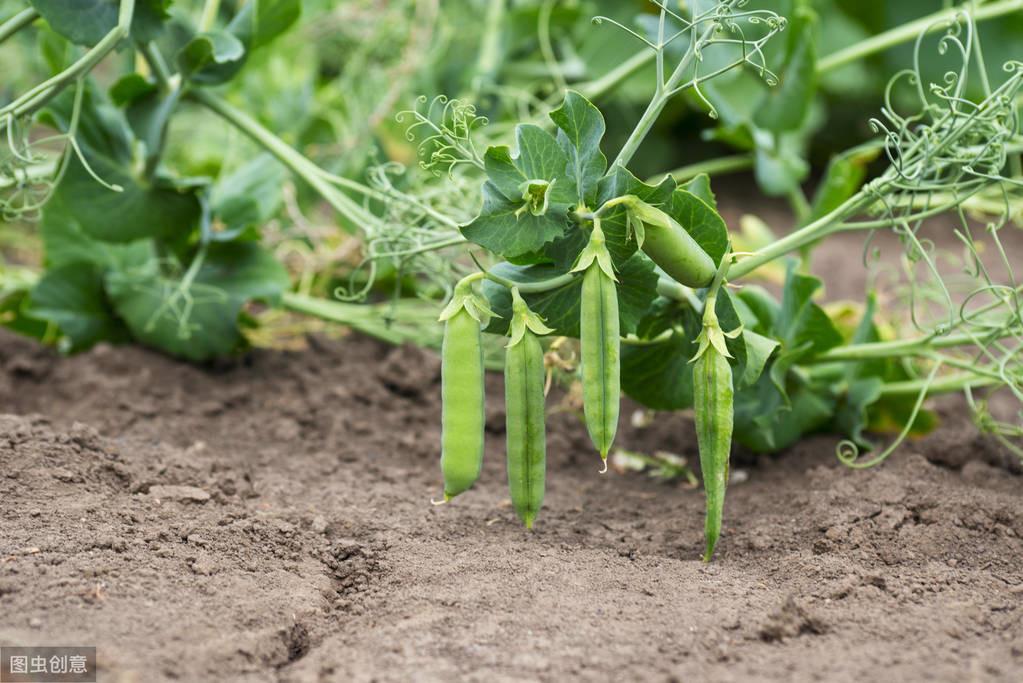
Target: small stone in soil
{"points": [[182, 493]]}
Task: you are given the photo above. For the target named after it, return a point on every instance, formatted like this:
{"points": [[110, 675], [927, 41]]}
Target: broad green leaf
{"points": [[660, 375], [259, 22], [211, 58], [505, 228], [249, 196], [130, 88], [700, 187], [779, 166], [559, 308], [801, 323], [758, 350], [142, 208], [786, 106], [86, 22], [580, 132], [196, 320], [539, 158], [764, 425], [852, 413], [72, 298], [65, 242]]}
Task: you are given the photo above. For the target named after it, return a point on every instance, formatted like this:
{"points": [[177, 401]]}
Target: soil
{"points": [[270, 520]]}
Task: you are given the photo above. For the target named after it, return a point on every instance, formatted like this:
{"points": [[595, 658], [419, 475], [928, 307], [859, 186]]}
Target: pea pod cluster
{"points": [[524, 379], [462, 391], [600, 340]]}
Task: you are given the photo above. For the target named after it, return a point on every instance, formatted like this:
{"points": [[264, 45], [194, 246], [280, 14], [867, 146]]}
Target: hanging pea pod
{"points": [[524, 380], [667, 243], [600, 341], [462, 390], [713, 403]]}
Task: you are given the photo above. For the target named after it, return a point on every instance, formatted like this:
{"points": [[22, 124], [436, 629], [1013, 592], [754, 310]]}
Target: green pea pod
{"points": [[600, 357], [462, 391], [713, 404], [599, 332], [668, 244], [524, 379]]}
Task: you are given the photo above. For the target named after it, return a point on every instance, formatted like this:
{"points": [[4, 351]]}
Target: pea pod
{"points": [[524, 378], [668, 244], [713, 403], [599, 335], [462, 392]]}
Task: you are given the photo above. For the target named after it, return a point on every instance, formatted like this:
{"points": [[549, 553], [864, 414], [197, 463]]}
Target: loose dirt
{"points": [[270, 520]]}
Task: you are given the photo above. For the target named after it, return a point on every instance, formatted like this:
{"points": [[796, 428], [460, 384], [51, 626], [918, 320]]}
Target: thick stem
{"points": [[941, 385], [293, 160], [490, 45], [719, 166]]}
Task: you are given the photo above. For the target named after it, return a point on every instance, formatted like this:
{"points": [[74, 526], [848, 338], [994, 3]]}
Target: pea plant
{"points": [[665, 303]]}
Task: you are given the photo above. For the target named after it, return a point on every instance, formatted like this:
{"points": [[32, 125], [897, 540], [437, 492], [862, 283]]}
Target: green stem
{"points": [[805, 235], [490, 45], [942, 385], [533, 287], [293, 160], [17, 22], [719, 166], [209, 15], [47, 90], [908, 32], [599, 87], [664, 92]]}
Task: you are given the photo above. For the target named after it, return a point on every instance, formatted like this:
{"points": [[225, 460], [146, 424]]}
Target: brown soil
{"points": [[270, 521]]}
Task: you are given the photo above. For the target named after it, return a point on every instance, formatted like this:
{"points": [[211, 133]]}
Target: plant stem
{"points": [[208, 18], [805, 235], [719, 166], [907, 32], [534, 287], [17, 22], [47, 90], [663, 93], [941, 385], [357, 316], [293, 160], [490, 45], [599, 87]]}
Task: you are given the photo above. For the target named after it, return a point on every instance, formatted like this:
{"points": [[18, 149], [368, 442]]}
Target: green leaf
{"points": [[86, 22], [131, 87], [758, 350], [844, 176], [539, 158], [72, 298], [786, 105], [764, 425], [801, 323], [505, 229], [559, 308], [196, 320], [249, 196], [779, 166], [660, 376], [261, 21], [700, 188], [142, 208], [211, 58], [581, 129], [66, 242]]}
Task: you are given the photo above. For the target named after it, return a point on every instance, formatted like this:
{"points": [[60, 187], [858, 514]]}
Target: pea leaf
{"points": [[72, 298], [758, 350], [143, 207], [701, 221], [249, 196], [211, 58], [196, 319], [763, 424], [637, 283], [86, 22], [660, 375], [801, 323], [580, 131], [259, 22], [786, 106], [844, 176], [505, 228]]}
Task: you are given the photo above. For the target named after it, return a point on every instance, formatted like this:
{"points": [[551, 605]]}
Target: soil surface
{"points": [[270, 520]]}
